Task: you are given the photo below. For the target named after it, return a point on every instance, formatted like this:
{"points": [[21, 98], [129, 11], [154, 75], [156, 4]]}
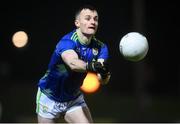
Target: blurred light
{"points": [[91, 83], [20, 39]]}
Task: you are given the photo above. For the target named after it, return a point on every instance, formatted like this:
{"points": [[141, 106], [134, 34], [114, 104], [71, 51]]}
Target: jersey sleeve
{"points": [[104, 53], [63, 45]]}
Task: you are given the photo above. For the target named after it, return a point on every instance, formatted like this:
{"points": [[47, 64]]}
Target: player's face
{"points": [[87, 22]]}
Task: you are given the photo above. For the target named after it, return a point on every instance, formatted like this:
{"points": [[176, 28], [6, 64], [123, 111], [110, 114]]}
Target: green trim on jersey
{"points": [[98, 41], [74, 37], [38, 99]]}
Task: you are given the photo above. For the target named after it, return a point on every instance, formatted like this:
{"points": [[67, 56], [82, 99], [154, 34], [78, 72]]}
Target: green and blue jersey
{"points": [[62, 84]]}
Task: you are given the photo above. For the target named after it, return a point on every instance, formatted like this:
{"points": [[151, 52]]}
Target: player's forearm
{"points": [[71, 58], [77, 65]]}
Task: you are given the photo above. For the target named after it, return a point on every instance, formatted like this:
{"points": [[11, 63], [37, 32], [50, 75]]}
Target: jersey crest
{"points": [[95, 51]]}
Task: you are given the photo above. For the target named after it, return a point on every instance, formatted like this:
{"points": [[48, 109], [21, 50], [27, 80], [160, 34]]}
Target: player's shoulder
{"points": [[67, 39], [70, 36]]}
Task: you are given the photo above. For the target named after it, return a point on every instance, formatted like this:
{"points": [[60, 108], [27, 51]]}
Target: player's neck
{"points": [[85, 40]]}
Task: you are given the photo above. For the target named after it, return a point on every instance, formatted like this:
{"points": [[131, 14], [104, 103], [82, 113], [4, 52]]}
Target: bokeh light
{"points": [[20, 39], [91, 83]]}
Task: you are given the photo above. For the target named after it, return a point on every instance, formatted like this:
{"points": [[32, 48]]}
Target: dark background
{"points": [[145, 91]]}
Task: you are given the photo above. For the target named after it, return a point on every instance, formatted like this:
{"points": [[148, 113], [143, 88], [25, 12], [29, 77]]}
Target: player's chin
{"points": [[91, 31]]}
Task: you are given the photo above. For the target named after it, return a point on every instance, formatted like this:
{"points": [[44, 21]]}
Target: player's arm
{"points": [[71, 58]]}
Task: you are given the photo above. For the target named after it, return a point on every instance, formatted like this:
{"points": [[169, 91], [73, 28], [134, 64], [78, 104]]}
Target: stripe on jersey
{"points": [[38, 99]]}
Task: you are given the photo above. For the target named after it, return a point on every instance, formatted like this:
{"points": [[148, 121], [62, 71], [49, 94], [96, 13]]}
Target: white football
{"points": [[133, 46]]}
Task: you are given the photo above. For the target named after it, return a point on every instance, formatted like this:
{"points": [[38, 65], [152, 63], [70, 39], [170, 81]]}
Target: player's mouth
{"points": [[94, 28]]}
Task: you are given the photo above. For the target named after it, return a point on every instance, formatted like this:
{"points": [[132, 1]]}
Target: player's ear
{"points": [[77, 24]]}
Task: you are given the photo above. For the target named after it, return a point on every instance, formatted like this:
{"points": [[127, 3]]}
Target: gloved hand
{"points": [[94, 66], [104, 71], [97, 67]]}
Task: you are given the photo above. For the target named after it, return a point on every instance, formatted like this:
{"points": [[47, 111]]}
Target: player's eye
{"points": [[96, 19], [87, 18]]}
